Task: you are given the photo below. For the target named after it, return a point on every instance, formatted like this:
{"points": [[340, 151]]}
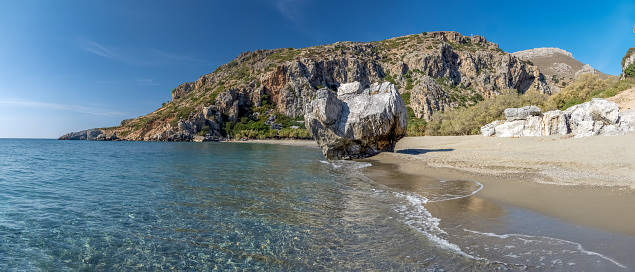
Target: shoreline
{"points": [[586, 181], [564, 178], [308, 143]]}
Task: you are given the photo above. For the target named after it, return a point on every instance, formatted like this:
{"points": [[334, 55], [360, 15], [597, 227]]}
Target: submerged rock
{"points": [[357, 123], [596, 117]]}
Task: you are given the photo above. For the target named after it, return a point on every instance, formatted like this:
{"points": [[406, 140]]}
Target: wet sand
{"points": [[588, 181], [600, 220]]}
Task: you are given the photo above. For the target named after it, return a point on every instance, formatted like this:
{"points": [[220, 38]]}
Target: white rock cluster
{"points": [[596, 117]]}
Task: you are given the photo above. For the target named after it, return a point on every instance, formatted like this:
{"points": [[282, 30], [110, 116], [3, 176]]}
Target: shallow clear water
{"points": [[76, 205]]}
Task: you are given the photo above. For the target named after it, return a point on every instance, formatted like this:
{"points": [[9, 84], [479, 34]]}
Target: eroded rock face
{"points": [[357, 123], [596, 117]]}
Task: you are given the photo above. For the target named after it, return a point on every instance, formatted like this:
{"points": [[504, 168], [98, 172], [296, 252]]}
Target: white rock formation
{"points": [[357, 123], [596, 117]]}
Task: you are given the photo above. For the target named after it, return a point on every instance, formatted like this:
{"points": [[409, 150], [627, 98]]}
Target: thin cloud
{"points": [[290, 9], [151, 57], [173, 57], [98, 49], [64, 107], [146, 82]]}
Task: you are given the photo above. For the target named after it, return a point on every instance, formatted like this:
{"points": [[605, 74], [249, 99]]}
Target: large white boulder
{"points": [[357, 123]]}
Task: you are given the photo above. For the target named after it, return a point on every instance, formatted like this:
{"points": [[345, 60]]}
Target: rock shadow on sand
{"points": [[420, 151]]}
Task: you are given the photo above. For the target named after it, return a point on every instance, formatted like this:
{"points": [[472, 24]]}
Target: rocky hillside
{"points": [[559, 66], [264, 93], [628, 64]]}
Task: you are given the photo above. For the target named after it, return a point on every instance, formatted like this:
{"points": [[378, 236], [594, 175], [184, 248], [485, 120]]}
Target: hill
{"points": [[262, 94], [559, 66]]}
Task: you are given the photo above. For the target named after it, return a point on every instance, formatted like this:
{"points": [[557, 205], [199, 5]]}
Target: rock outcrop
{"points": [[357, 123], [596, 117], [628, 62], [90, 135]]}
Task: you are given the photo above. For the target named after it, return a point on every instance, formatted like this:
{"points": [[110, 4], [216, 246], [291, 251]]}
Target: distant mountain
{"points": [[263, 93], [558, 66]]}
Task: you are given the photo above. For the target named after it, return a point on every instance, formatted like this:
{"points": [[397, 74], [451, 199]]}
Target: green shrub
{"points": [[630, 71], [411, 113], [285, 55], [406, 98], [416, 127], [468, 121], [211, 99], [204, 131], [586, 87], [389, 78], [409, 80], [174, 122], [185, 112]]}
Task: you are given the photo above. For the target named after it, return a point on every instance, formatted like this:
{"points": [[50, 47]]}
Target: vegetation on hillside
{"points": [[587, 87], [468, 121], [630, 71], [266, 123]]}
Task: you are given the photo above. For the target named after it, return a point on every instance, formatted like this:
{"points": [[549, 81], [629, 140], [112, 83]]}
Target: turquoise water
{"points": [[196, 206], [80, 205]]}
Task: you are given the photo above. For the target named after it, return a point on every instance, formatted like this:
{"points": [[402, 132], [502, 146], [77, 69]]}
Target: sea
{"points": [[148, 206]]}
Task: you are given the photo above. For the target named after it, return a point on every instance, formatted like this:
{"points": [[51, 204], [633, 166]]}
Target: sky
{"points": [[73, 65]]}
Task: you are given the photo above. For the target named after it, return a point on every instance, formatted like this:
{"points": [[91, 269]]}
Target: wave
{"points": [[347, 164], [462, 194], [510, 250], [539, 251], [417, 217]]}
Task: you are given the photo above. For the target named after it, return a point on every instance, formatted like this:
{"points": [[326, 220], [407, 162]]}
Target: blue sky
{"points": [[72, 65]]}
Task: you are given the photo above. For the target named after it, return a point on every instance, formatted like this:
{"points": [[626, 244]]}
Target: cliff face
{"points": [[628, 67], [440, 70]]}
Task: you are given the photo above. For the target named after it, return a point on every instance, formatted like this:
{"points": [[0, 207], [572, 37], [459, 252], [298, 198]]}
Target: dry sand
{"points": [[587, 181], [625, 100], [590, 161]]}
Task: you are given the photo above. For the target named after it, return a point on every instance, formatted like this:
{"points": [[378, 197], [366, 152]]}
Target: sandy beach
{"points": [[586, 181], [590, 161]]}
